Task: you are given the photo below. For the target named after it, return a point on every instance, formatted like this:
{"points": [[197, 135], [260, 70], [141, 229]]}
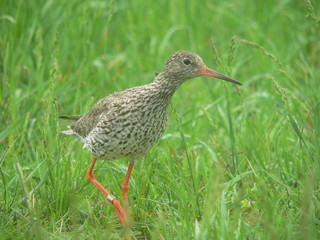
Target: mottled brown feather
{"points": [[130, 122]]}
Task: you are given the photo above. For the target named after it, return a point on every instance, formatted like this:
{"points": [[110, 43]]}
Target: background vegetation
{"points": [[234, 162]]}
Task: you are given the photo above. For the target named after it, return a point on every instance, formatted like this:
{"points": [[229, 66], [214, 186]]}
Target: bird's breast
{"points": [[130, 133]]}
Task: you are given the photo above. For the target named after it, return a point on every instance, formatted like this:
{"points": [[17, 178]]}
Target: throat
{"points": [[166, 85]]}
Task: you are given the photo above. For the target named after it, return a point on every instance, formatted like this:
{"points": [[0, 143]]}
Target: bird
{"points": [[130, 122]]}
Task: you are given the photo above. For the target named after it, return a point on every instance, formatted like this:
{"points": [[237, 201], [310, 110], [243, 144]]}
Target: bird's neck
{"points": [[166, 84]]}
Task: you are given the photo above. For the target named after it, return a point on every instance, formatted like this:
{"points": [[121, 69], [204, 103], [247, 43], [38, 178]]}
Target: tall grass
{"points": [[234, 162]]}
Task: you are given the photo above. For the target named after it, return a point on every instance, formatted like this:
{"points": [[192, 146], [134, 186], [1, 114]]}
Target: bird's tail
{"points": [[71, 118]]}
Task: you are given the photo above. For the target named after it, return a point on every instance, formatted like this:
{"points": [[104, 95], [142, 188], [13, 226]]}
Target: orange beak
{"points": [[211, 73]]}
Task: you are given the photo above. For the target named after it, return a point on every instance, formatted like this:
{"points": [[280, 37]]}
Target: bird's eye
{"points": [[186, 61]]}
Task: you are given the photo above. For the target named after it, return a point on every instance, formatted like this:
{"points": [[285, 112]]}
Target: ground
{"points": [[235, 162]]}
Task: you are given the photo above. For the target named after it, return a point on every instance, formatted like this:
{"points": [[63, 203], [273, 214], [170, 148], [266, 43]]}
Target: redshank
{"points": [[129, 123]]}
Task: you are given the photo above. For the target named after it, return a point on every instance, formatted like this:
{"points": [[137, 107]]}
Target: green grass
{"points": [[234, 162]]}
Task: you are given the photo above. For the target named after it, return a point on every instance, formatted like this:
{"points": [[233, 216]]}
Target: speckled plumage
{"points": [[130, 122]]}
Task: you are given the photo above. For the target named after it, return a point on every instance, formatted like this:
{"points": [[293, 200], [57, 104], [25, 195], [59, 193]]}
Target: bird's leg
{"points": [[120, 212], [125, 189], [125, 184]]}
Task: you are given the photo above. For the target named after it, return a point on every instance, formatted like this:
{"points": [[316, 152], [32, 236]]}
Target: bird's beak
{"points": [[211, 73]]}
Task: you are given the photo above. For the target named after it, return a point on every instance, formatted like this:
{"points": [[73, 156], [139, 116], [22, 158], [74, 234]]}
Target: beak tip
{"points": [[211, 73]]}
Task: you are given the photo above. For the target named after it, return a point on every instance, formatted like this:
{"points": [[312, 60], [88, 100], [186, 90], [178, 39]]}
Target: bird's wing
{"points": [[102, 111]]}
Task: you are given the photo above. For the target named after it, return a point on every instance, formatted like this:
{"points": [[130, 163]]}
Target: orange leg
{"points": [[125, 184], [125, 189], [110, 198]]}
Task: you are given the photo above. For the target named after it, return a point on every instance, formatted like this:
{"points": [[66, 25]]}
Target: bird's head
{"points": [[184, 65]]}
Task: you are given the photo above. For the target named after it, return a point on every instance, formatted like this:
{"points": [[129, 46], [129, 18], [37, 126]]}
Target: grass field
{"points": [[234, 162]]}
